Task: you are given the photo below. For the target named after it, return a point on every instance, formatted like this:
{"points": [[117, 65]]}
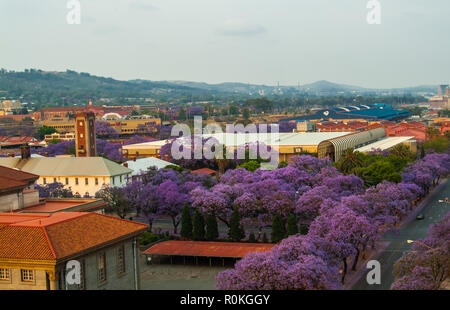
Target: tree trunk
{"points": [[363, 252], [175, 225], [344, 272], [355, 262]]}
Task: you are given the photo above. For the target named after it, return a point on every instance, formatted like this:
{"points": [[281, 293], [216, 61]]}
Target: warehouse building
{"points": [[333, 148], [287, 144], [357, 113]]}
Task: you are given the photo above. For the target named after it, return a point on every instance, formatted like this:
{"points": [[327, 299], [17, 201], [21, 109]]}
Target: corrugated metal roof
{"points": [[384, 144], [66, 166], [142, 164], [233, 139], [207, 249]]}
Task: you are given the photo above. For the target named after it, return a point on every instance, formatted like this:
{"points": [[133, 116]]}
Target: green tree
{"points": [[198, 232], [252, 238], [233, 109], [292, 228], [264, 238], [278, 229], [54, 141], [251, 165], [116, 202], [379, 171], [212, 230], [45, 130], [236, 233], [186, 222], [245, 113], [304, 229], [403, 151], [182, 114], [349, 161], [283, 164], [438, 144]]}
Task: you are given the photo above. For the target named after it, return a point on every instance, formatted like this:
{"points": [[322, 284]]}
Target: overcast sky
{"points": [[254, 41]]}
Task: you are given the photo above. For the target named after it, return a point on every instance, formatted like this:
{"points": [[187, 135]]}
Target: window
{"points": [[101, 267], [120, 179], [96, 181], [44, 180], [121, 259], [76, 181], [67, 181], [54, 180], [4, 274], [86, 181], [112, 180], [27, 275]]}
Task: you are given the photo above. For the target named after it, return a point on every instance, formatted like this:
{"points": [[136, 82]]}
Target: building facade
{"points": [[85, 136], [68, 251]]}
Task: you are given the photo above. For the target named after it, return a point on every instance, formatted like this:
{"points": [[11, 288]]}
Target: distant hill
{"points": [[70, 87]]}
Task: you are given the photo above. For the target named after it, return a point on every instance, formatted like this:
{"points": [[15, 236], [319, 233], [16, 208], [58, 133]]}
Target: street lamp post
{"points": [[421, 243]]}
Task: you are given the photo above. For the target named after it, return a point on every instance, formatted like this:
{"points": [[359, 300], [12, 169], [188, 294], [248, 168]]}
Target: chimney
{"points": [[46, 154], [125, 165], [25, 151], [11, 155], [134, 158]]}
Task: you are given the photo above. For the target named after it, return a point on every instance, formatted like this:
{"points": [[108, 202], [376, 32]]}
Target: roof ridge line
{"points": [[48, 241], [82, 214], [118, 218]]}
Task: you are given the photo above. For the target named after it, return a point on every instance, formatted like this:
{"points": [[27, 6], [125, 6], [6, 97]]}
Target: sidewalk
{"points": [[354, 276]]}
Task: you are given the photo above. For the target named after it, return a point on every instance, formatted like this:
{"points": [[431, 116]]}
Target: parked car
{"points": [[420, 216]]}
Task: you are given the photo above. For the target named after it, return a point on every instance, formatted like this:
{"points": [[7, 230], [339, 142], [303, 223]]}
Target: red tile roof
{"points": [[12, 179], [17, 174], [204, 171], [207, 249], [59, 235]]}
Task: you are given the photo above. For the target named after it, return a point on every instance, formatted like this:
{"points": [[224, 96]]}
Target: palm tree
{"points": [[349, 161]]}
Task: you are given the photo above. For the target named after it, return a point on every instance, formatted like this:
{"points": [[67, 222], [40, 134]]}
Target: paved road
{"points": [[413, 230]]}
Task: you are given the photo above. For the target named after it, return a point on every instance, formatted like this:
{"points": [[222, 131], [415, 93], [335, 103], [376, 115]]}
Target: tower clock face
{"points": [[326, 113]]}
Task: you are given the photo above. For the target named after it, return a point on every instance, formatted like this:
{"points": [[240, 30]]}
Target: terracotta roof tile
{"points": [[55, 236], [208, 249]]}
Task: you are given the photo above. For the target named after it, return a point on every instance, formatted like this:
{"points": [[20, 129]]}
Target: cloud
{"points": [[142, 6], [240, 27]]}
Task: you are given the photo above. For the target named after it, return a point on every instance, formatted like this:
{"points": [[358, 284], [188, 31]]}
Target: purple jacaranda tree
{"points": [[138, 139], [294, 264], [53, 190], [309, 163], [148, 128], [104, 130], [217, 201], [427, 171], [171, 200], [344, 233], [287, 126], [111, 151], [144, 199], [308, 205], [428, 265], [54, 149]]}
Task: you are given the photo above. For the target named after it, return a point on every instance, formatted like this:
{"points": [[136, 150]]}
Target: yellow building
{"points": [[85, 176], [123, 127], [287, 144]]}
